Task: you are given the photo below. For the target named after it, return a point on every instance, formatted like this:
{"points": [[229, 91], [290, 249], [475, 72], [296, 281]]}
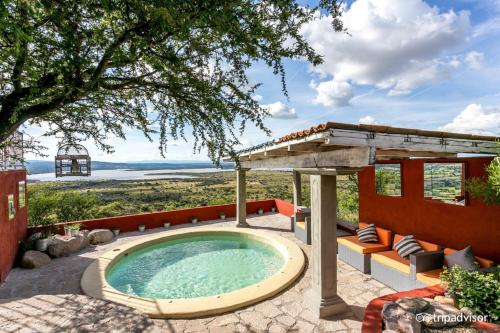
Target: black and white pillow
{"points": [[407, 245], [368, 234]]}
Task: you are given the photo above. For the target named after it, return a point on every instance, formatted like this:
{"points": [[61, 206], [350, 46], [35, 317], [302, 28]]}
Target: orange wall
{"points": [[449, 225], [13, 231]]}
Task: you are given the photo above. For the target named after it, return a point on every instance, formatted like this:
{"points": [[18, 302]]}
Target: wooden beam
{"points": [[304, 147], [389, 154], [350, 158], [328, 171], [385, 141], [277, 152]]}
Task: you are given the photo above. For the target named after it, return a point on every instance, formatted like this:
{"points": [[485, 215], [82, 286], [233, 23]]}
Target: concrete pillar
{"points": [[241, 198], [297, 190], [322, 298]]}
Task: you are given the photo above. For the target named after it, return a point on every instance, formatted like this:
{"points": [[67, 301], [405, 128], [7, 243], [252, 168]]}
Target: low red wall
{"points": [[13, 231], [454, 226], [284, 207], [372, 321], [156, 219]]}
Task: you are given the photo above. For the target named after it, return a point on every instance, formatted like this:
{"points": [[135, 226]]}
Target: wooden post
{"points": [[322, 298], [241, 196]]}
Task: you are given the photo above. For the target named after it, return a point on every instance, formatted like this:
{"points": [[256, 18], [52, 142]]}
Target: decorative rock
{"points": [[62, 246], [445, 300], [413, 304], [35, 259], [466, 311], [398, 319], [98, 236], [441, 315]]}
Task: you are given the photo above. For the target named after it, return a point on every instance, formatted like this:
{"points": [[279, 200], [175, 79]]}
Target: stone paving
{"points": [[49, 299]]}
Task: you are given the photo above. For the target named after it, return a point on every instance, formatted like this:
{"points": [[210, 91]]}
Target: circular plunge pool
{"points": [[190, 273]]}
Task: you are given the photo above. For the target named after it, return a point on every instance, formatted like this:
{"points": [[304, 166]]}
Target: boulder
{"points": [[442, 315], [397, 319], [62, 246], [413, 304], [444, 300], [466, 311], [98, 236], [34, 259]]}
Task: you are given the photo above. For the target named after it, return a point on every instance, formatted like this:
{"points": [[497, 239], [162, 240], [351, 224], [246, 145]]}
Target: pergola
{"points": [[333, 149]]}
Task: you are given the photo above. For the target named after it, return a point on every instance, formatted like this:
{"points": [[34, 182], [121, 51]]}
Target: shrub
{"points": [[476, 290], [47, 207], [487, 188]]}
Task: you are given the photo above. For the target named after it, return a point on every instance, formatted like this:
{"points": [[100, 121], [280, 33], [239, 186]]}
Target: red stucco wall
{"points": [[13, 231], [449, 225], [154, 220], [284, 207]]}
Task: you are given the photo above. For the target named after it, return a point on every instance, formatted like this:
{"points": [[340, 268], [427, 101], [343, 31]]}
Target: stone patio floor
{"points": [[49, 299]]}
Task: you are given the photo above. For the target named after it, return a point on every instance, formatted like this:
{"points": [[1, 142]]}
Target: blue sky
{"points": [[413, 63]]}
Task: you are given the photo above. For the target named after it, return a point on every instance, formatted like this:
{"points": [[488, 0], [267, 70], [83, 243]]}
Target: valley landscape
{"points": [[53, 202]]}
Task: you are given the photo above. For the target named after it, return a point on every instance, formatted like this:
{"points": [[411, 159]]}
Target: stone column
{"points": [[241, 196], [297, 190], [322, 298]]}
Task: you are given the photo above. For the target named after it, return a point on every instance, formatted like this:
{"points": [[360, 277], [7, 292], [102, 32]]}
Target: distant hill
{"points": [[37, 166]]}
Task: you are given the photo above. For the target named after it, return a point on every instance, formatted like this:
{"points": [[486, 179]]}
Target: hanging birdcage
{"points": [[72, 160]]}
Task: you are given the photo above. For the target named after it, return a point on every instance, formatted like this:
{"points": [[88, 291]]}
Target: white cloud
{"points": [[280, 110], [394, 45], [477, 119], [368, 120], [332, 93], [257, 97], [474, 59], [488, 27]]}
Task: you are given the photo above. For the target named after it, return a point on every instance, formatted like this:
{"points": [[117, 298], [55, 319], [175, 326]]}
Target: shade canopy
{"points": [[339, 145]]}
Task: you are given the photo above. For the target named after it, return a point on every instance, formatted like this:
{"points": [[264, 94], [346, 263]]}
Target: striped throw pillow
{"points": [[407, 245], [368, 234]]}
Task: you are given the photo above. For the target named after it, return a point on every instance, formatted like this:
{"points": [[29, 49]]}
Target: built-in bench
{"points": [[432, 277], [399, 273], [357, 253], [385, 265]]}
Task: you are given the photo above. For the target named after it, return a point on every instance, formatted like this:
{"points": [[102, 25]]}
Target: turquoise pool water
{"points": [[195, 266]]}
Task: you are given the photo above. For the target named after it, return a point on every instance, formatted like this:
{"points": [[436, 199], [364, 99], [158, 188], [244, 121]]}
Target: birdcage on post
{"points": [[72, 160]]}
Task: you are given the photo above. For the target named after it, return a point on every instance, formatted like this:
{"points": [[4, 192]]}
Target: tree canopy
{"points": [[87, 69]]}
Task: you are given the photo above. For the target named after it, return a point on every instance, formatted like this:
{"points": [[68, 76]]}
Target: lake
{"points": [[122, 174]]}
